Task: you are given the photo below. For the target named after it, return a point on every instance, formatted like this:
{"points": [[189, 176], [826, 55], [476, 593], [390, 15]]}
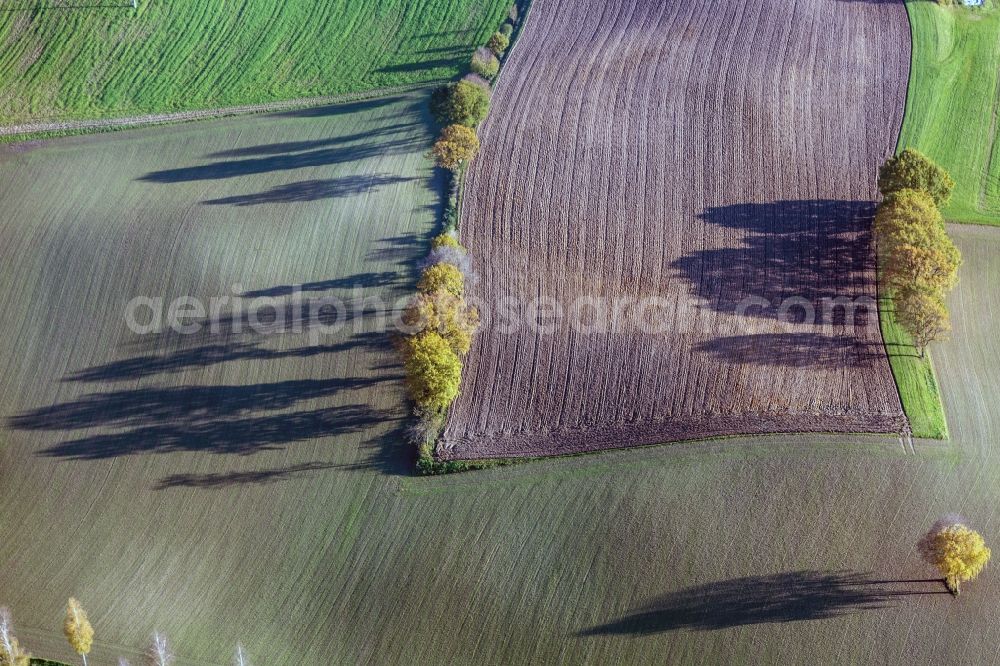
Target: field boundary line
{"points": [[109, 124]]}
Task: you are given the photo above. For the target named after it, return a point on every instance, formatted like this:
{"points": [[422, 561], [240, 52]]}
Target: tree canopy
{"points": [[456, 146], [433, 371], [442, 277], [956, 550], [460, 103], [913, 170]]}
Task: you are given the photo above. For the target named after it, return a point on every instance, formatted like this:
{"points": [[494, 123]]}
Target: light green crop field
{"points": [[102, 58], [954, 100], [240, 487]]}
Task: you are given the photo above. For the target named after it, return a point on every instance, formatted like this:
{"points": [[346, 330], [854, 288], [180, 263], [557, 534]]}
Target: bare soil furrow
{"points": [[671, 217]]}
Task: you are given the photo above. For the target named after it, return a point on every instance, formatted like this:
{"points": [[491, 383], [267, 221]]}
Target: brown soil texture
{"points": [[701, 154]]}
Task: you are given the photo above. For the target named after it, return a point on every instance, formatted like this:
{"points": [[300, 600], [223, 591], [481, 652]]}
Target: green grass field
{"points": [[951, 115], [244, 488], [100, 58], [952, 106], [918, 387]]}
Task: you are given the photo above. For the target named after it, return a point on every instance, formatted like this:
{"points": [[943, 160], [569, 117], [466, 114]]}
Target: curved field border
{"points": [[47, 129], [954, 50], [701, 156]]}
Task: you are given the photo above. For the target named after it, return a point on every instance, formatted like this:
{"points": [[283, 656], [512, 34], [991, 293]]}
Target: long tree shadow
{"points": [[811, 250], [331, 317], [148, 365], [258, 477], [340, 108], [357, 281], [242, 436], [183, 404], [785, 597], [312, 190], [798, 350], [284, 162], [302, 146], [422, 65]]}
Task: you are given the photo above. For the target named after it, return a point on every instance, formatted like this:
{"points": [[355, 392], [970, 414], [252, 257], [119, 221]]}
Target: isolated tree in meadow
{"points": [[461, 103], [158, 653], [923, 314], [456, 146], [498, 43], [11, 653], [442, 277], [956, 550], [433, 371], [77, 628], [913, 170]]}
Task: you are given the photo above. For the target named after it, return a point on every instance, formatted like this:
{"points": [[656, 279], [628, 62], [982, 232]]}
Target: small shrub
{"points": [[457, 145], [425, 429], [433, 371], [451, 218], [476, 80], [461, 103], [507, 29], [484, 63], [445, 240], [455, 256], [498, 43], [513, 14], [442, 277]]}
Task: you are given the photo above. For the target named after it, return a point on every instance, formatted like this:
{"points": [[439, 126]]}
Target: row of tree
{"points": [[918, 261], [461, 106], [440, 323], [80, 636], [440, 326]]}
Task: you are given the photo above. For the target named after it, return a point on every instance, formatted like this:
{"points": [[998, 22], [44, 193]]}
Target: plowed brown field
{"points": [[708, 155]]}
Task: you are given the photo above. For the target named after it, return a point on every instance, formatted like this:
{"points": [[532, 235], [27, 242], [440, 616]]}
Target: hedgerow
{"points": [[442, 325]]}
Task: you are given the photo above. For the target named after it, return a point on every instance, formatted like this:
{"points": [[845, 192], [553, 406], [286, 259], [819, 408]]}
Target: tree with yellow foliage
{"points": [[446, 277], [923, 314], [445, 313], [11, 653], [433, 371], [956, 550], [76, 626], [456, 146]]}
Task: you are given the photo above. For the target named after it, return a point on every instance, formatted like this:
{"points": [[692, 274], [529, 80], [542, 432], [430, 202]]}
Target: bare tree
{"points": [[10, 651], [122, 661], [240, 659], [158, 653]]}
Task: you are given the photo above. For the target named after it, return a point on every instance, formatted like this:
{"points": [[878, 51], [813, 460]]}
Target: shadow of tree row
{"points": [[797, 350], [312, 190], [810, 249], [783, 597]]}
